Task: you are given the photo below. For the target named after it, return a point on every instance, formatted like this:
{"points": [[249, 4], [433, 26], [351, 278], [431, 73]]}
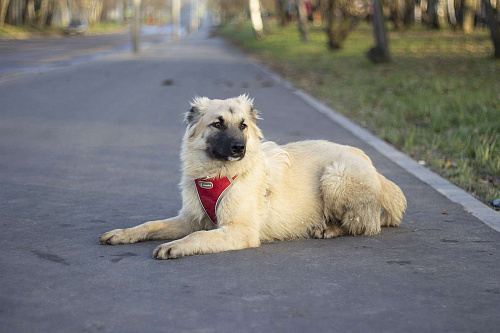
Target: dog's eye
{"points": [[243, 126], [217, 124]]}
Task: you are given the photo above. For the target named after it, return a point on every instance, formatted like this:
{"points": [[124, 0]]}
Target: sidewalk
{"points": [[95, 147]]}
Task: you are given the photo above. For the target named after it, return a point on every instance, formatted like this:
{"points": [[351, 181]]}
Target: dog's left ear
{"points": [[254, 114], [246, 100]]}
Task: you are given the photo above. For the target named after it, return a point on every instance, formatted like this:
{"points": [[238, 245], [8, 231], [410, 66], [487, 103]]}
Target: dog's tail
{"points": [[393, 203]]}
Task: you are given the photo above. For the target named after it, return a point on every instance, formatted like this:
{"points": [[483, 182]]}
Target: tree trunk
{"points": [[194, 16], [4, 4], [136, 26], [281, 9], [442, 14], [303, 25], [338, 26], [431, 17], [63, 8], [494, 26], [379, 53], [43, 11], [256, 18], [29, 12], [408, 12], [469, 11], [176, 19], [330, 30], [15, 12], [397, 14]]}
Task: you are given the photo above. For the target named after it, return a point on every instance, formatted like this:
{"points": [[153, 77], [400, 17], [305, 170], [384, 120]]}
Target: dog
{"points": [[239, 191]]}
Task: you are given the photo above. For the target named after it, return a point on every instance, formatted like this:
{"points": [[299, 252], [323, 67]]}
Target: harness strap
{"points": [[210, 192]]}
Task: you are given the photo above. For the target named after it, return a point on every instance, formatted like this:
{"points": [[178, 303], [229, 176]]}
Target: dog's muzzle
{"points": [[238, 150]]}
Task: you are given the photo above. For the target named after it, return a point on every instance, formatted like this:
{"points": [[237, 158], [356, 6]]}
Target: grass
{"points": [[8, 32], [438, 101], [13, 32], [107, 27]]}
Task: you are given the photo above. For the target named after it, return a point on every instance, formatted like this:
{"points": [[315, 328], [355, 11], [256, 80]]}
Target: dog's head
{"points": [[225, 130]]}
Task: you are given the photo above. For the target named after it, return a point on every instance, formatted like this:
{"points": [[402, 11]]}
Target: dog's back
{"points": [[315, 183]]}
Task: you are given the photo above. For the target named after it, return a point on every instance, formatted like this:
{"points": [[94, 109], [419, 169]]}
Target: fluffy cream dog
{"points": [[300, 190]]}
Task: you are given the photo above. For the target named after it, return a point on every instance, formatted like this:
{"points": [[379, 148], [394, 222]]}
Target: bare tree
{"points": [[494, 25], [136, 24], [379, 53], [397, 13], [256, 18], [303, 25], [281, 11], [342, 18], [176, 18], [42, 13], [29, 12], [469, 11], [4, 4]]}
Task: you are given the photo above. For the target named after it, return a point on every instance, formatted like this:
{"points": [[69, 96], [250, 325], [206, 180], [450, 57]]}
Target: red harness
{"points": [[210, 192]]}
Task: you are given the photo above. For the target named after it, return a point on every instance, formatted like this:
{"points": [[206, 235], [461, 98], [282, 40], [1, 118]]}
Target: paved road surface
{"points": [[94, 147], [22, 56]]}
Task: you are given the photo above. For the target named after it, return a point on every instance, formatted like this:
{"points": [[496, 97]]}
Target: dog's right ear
{"points": [[192, 116], [197, 106]]}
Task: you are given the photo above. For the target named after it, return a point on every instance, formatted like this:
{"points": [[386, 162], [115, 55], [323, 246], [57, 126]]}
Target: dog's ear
{"points": [[248, 102], [254, 114], [194, 114]]}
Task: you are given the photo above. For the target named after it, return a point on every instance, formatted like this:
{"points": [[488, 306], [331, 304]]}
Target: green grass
{"points": [[29, 32], [107, 27], [13, 32], [438, 101]]}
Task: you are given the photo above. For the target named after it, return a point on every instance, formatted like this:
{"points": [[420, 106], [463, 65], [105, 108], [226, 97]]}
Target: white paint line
{"points": [[443, 186]]}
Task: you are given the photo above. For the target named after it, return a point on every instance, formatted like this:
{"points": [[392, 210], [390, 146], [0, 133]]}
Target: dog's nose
{"points": [[237, 147]]}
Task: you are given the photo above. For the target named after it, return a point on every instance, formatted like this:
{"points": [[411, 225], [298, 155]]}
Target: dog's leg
{"points": [[172, 228], [351, 197], [225, 238]]}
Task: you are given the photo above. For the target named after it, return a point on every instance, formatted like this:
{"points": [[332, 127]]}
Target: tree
{"points": [[380, 52], [281, 11], [29, 12], [303, 25], [176, 19], [469, 11], [342, 18], [4, 4], [494, 25], [43, 13], [256, 18], [136, 25], [397, 13]]}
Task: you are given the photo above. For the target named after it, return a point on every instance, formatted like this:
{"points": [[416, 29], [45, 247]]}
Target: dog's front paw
{"points": [[117, 236], [170, 250]]}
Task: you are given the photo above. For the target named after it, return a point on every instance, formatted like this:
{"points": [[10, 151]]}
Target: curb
{"points": [[481, 211]]}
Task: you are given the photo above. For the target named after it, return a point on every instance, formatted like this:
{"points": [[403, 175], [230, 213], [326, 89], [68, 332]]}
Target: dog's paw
{"points": [[329, 231], [170, 250], [117, 236]]}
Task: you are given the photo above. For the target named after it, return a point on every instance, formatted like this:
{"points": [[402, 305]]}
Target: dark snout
{"points": [[226, 147], [238, 149]]}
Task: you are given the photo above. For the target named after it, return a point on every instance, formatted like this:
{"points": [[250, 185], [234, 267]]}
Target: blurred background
{"points": [[423, 75]]}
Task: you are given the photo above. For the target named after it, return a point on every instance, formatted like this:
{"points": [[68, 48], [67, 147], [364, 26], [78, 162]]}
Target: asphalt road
{"points": [[85, 149], [19, 57]]}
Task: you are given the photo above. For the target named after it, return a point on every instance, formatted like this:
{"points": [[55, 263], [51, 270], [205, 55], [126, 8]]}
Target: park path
{"points": [[94, 147]]}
